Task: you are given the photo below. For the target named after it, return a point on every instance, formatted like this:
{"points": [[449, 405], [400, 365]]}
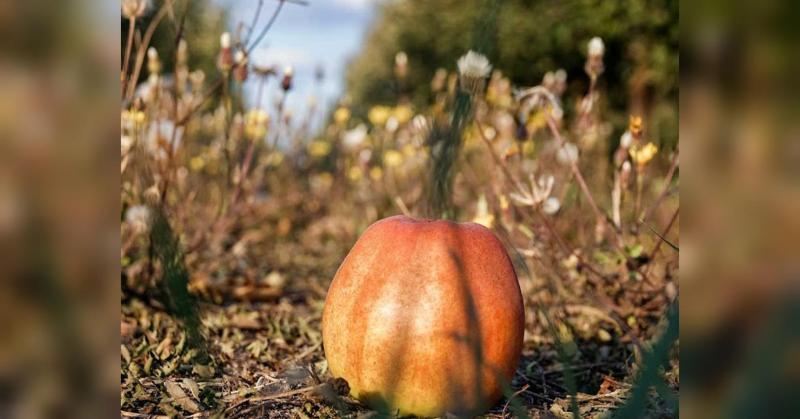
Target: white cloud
{"points": [[356, 4]]}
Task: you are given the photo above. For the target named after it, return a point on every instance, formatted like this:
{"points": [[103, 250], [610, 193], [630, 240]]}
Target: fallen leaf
{"points": [[180, 398]]}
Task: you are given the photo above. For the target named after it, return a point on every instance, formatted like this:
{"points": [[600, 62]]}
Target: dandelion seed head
{"points": [[152, 53], [474, 65], [473, 68]]}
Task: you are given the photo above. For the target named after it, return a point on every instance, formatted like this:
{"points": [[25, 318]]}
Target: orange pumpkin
{"points": [[425, 317]]}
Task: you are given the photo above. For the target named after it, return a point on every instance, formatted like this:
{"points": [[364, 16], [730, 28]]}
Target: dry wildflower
{"points": [[240, 71], [596, 47], [551, 205], [483, 216], [319, 148], [392, 158], [401, 65], [594, 63], [138, 218], [403, 113], [439, 80], [153, 62], [473, 68], [378, 115], [352, 139], [538, 193], [392, 124], [256, 124], [134, 9], [567, 154], [635, 125], [376, 173], [125, 143], [355, 174], [341, 115], [225, 40], [641, 155], [626, 140], [225, 60], [288, 75]]}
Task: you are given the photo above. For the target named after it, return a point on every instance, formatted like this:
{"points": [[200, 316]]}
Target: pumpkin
{"points": [[424, 318]]}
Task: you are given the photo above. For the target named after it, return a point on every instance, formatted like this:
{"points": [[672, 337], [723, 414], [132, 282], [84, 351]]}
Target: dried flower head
{"points": [[353, 138], [288, 75], [401, 64], [138, 218], [642, 155], [378, 115], [256, 124], [635, 125], [341, 115], [134, 9], [551, 205], [225, 40], [567, 154], [482, 214], [473, 68], [626, 140], [596, 47]]}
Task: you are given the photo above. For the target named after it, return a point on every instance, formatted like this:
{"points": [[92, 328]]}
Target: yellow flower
{"points": [[503, 202], [409, 150], [355, 173], [319, 148], [273, 159], [635, 125], [393, 158], [537, 120], [378, 115], [197, 163], [403, 113], [341, 115], [256, 123], [528, 147], [642, 155], [132, 117], [376, 173]]}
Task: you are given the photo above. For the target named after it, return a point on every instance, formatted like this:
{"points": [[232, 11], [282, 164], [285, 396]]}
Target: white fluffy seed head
{"points": [[596, 47], [474, 65]]}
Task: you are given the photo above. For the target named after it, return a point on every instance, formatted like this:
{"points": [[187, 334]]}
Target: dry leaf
{"points": [[180, 398]]}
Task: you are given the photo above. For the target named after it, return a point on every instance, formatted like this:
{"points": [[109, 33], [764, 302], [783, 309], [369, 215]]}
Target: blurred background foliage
{"points": [[531, 38]]}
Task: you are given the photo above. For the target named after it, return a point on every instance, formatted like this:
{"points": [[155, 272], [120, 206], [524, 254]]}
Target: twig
{"points": [[267, 27], [661, 236], [140, 54], [515, 394], [400, 204], [276, 396], [664, 191], [128, 49]]}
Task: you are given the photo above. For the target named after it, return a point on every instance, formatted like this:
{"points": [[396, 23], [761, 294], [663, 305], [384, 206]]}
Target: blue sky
{"points": [[325, 32]]}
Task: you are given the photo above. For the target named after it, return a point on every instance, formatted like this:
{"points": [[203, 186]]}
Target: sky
{"points": [[323, 33]]}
